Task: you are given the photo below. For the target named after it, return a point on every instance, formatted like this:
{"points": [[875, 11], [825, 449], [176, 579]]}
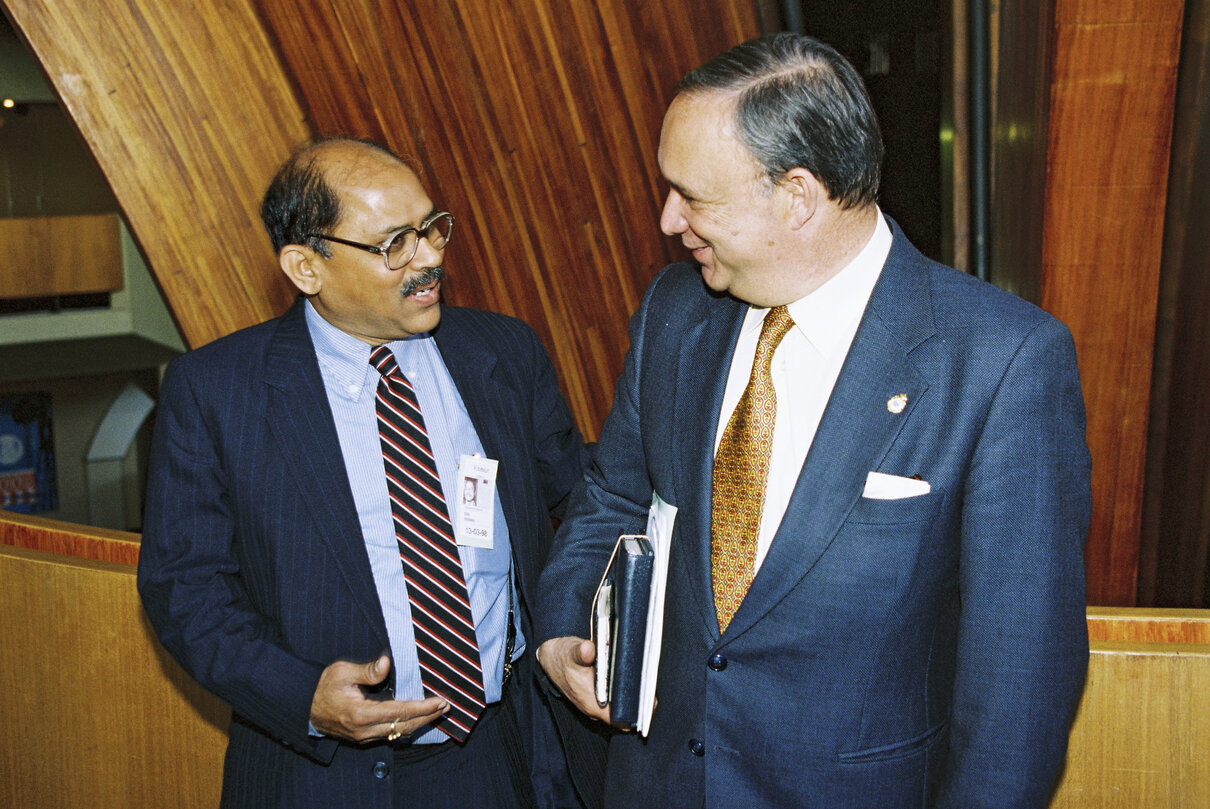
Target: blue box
{"points": [[27, 453]]}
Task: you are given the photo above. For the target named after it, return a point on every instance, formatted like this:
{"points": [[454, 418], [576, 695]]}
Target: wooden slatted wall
{"points": [[188, 113], [1112, 91], [536, 123], [1174, 563]]}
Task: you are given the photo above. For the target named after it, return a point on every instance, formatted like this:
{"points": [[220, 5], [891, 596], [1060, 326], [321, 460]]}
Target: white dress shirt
{"points": [[805, 367]]}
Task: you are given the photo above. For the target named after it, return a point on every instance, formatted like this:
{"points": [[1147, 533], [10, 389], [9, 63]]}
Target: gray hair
{"points": [[800, 104]]}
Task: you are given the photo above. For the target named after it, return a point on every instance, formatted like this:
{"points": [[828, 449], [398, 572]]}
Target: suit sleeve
{"points": [[192, 584], [613, 499], [1022, 638], [559, 449]]}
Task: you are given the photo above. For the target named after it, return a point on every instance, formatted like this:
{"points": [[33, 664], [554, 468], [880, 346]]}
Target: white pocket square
{"points": [[879, 486]]}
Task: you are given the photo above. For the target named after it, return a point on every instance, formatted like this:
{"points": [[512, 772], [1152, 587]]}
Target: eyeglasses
{"points": [[402, 247]]}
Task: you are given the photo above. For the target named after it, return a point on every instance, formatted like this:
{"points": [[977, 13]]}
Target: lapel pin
{"points": [[896, 403]]}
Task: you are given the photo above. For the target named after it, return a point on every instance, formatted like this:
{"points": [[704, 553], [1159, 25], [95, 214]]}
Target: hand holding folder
{"points": [[627, 621], [619, 627]]}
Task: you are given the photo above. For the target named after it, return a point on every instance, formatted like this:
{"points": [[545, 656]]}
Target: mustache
{"points": [[425, 278]]}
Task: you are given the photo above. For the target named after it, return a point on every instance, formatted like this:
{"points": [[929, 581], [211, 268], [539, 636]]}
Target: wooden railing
{"points": [[95, 712], [1141, 738], [83, 676]]}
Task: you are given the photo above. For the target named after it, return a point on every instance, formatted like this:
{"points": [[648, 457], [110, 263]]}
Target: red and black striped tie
{"points": [[441, 612]]}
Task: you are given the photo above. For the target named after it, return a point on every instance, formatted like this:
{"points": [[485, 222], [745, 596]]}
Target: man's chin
{"points": [[712, 277], [425, 320]]}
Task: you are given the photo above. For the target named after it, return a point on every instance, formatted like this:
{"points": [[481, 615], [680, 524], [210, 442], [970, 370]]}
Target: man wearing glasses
{"points": [[306, 555]]}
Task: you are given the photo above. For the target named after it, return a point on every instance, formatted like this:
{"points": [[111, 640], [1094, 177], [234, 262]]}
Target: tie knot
{"points": [[382, 359], [777, 323]]}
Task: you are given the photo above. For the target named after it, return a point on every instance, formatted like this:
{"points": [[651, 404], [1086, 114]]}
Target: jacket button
{"points": [[696, 747], [381, 769], [717, 662]]}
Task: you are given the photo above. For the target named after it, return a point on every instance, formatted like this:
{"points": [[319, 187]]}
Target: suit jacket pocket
{"points": [[897, 750], [922, 508]]}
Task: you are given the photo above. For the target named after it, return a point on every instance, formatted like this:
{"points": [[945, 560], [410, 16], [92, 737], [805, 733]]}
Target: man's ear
{"points": [[803, 195], [299, 265]]}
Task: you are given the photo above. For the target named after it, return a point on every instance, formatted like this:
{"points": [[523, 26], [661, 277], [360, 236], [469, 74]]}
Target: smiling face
{"points": [[720, 202], [353, 289]]}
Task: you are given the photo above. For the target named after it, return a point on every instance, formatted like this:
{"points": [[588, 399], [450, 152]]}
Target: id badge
{"points": [[476, 500]]}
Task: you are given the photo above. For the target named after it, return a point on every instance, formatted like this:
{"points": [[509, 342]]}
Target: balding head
{"points": [[305, 194]]}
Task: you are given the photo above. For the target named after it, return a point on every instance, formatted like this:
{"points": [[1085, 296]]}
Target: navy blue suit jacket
{"points": [[921, 652], [253, 570]]}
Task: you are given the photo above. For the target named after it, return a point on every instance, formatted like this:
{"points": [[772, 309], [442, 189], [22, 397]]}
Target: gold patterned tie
{"points": [[741, 469]]}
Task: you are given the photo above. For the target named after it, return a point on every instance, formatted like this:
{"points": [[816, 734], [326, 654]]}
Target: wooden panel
{"points": [[1119, 624], [955, 153], [60, 255], [537, 125], [69, 539], [1113, 82], [1174, 567], [97, 714], [188, 113], [142, 734], [1139, 738]]}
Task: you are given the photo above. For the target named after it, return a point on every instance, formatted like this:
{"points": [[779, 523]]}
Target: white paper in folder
{"points": [[659, 532]]}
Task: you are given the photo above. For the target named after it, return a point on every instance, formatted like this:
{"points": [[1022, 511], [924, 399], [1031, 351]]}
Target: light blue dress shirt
{"points": [[351, 384]]}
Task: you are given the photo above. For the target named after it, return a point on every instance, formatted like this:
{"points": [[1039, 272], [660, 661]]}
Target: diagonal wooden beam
{"points": [[188, 112]]}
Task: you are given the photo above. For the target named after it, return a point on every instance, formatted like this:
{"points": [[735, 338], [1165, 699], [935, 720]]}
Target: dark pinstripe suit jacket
{"points": [[253, 570]]}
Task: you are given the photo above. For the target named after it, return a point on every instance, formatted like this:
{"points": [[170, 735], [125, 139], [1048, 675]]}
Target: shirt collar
{"points": [[344, 361], [828, 317]]}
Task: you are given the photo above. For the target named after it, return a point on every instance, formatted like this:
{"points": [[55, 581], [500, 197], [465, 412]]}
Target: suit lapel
{"points": [[472, 366], [301, 424], [701, 380], [856, 431]]}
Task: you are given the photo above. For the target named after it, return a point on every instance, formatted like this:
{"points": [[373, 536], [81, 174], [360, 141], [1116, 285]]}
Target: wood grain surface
{"points": [[1174, 560], [61, 255], [1139, 738], [1128, 624], [69, 539], [98, 715], [141, 733], [1112, 89], [536, 123], [188, 113]]}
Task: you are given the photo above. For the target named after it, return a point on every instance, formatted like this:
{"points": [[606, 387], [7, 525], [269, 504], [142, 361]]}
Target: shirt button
{"points": [[381, 769], [717, 662], [697, 747]]}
